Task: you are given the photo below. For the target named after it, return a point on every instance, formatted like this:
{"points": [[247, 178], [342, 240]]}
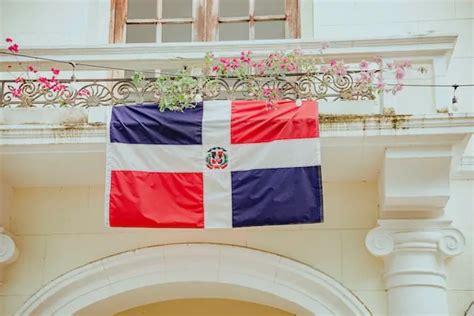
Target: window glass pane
{"points": [[145, 33], [233, 31], [270, 30], [269, 7], [177, 9], [141, 9], [233, 8], [176, 33]]}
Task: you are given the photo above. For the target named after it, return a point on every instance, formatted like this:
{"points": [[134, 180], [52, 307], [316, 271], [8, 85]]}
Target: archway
{"points": [[160, 273]]}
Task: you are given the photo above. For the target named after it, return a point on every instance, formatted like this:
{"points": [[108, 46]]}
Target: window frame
{"points": [[205, 20]]}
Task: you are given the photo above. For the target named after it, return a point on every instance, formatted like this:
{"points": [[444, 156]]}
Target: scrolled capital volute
{"points": [[452, 242], [8, 250], [379, 242]]}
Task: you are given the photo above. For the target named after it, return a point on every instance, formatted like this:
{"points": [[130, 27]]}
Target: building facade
{"points": [[398, 171]]}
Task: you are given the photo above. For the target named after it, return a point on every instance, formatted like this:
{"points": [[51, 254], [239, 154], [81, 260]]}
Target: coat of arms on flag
{"points": [[221, 164]]}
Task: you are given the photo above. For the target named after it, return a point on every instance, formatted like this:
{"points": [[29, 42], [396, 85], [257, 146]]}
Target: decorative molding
{"points": [[183, 271], [175, 55], [87, 93], [18, 126]]}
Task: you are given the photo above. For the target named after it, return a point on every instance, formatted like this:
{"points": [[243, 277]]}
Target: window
{"points": [[161, 21]]}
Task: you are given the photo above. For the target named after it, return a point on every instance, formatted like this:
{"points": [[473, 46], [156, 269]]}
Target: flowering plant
{"points": [[368, 72], [30, 74], [180, 91]]}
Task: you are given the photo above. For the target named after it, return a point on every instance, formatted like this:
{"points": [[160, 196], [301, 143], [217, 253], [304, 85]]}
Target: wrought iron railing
{"points": [[109, 92]]}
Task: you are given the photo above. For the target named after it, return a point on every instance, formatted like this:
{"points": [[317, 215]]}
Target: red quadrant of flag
{"points": [[253, 122], [156, 199]]}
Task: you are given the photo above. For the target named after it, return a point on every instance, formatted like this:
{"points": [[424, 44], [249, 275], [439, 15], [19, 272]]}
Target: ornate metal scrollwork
{"points": [[109, 92]]}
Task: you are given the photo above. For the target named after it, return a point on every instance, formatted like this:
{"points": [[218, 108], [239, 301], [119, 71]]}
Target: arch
{"points": [[159, 273]]}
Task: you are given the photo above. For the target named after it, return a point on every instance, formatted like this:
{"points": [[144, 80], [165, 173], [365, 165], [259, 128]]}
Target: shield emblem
{"points": [[216, 158]]}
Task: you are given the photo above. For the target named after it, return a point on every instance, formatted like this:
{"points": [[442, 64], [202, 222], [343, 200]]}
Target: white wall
{"points": [[59, 229], [56, 22], [335, 19]]}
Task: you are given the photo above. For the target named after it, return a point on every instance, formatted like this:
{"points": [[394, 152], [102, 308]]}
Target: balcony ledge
{"points": [[334, 127], [175, 55]]}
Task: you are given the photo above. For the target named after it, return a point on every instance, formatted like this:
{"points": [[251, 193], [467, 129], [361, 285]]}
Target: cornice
{"points": [[420, 46], [332, 127]]}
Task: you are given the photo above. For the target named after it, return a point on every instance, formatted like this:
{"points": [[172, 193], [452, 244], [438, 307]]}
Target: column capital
{"points": [[422, 235], [8, 250], [414, 253]]}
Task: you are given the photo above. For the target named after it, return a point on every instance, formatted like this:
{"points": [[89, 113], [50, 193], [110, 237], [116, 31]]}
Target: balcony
{"points": [[65, 135], [110, 86]]}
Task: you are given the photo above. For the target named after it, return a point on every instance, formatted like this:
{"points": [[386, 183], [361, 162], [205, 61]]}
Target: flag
{"points": [[221, 164]]}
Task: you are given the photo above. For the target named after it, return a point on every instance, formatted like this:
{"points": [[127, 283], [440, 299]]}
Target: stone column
{"points": [[414, 253]]}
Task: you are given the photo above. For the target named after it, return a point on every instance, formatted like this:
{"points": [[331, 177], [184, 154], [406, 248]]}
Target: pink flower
{"points": [[16, 92], [20, 80], [32, 69], [380, 85], [44, 82], [13, 48], [406, 64], [291, 67], [399, 74], [340, 69], [83, 92], [9, 40], [365, 77], [267, 91], [55, 71], [364, 65], [245, 56], [215, 68], [333, 63], [59, 87]]}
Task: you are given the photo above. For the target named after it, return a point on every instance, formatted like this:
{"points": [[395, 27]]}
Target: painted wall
{"points": [[204, 307], [59, 229], [56, 22], [336, 19]]}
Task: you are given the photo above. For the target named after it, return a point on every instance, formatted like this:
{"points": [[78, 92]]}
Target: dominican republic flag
{"points": [[221, 164]]}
